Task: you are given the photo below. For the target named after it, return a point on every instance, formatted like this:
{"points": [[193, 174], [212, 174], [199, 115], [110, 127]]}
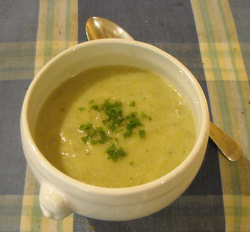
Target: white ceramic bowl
{"points": [[61, 195]]}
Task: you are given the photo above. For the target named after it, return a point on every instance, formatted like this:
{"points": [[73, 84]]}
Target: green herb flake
{"points": [[85, 139], [143, 115], [81, 109], [115, 153], [132, 104], [96, 107], [128, 133], [142, 133]]}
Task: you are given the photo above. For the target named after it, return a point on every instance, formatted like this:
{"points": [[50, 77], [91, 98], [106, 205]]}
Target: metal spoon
{"points": [[100, 28]]}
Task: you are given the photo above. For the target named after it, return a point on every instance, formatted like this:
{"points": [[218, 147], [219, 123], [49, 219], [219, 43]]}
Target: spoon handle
{"points": [[227, 145]]}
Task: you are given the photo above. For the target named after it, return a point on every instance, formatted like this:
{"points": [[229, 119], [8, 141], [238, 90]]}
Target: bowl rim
{"points": [[202, 137]]}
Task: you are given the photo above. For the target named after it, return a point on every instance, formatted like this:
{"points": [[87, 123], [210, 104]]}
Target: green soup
{"points": [[115, 126]]}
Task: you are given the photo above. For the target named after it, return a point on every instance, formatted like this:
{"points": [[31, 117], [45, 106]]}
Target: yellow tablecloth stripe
{"points": [[226, 79], [57, 30]]}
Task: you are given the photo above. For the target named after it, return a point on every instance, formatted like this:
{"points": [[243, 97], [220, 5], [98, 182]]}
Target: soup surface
{"points": [[115, 126]]}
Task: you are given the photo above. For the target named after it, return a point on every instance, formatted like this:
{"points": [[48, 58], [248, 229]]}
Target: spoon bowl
{"points": [[100, 28]]}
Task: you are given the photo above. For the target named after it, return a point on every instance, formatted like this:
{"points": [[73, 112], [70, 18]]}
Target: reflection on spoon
{"points": [[100, 28]]}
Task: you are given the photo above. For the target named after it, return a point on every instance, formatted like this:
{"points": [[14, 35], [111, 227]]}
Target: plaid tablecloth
{"points": [[210, 37]]}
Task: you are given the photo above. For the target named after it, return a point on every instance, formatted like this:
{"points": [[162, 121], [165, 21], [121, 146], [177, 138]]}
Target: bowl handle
{"points": [[53, 203]]}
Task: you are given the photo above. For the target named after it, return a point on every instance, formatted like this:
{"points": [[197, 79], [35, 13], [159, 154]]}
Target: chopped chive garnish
{"points": [[113, 121]]}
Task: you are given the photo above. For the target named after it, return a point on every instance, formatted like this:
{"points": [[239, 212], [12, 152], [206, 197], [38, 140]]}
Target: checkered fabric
{"points": [[210, 37]]}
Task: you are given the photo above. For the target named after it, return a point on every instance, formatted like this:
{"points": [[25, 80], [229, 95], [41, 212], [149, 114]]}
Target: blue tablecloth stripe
{"points": [[12, 161]]}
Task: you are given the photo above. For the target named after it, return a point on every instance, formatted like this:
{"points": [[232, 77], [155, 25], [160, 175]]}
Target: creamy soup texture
{"points": [[115, 126]]}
